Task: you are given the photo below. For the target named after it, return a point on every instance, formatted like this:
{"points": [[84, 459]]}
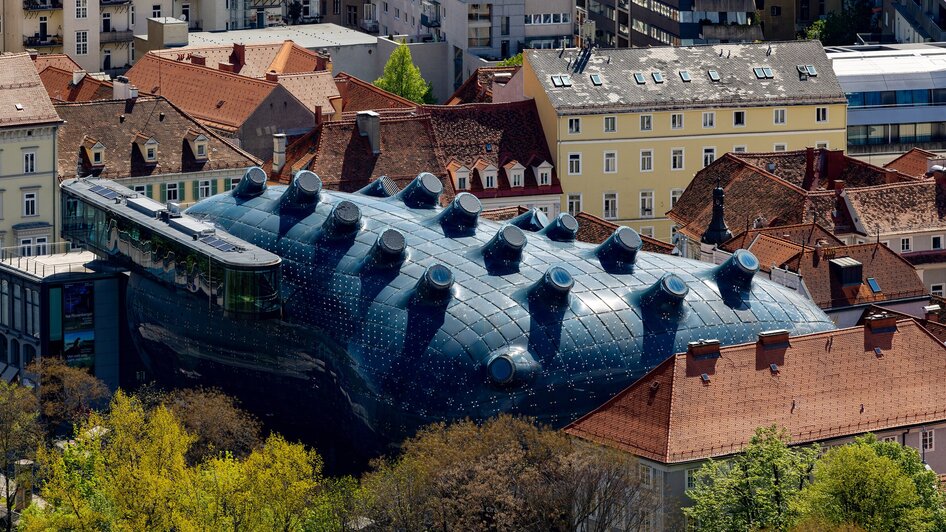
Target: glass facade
{"points": [[901, 98], [896, 133]]}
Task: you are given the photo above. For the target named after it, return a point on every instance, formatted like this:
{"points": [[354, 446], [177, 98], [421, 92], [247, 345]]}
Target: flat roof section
{"points": [[309, 36], [43, 266]]}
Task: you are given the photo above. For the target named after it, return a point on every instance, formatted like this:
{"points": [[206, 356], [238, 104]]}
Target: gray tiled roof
{"points": [[23, 99], [738, 85]]}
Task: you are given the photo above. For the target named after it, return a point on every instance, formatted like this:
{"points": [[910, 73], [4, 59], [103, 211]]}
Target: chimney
{"points": [[772, 338], [369, 125], [272, 76], [836, 163], [318, 116], [881, 322], [77, 77], [279, 151], [198, 60], [809, 167], [717, 232], [702, 347], [121, 88], [838, 187], [238, 57], [225, 67], [931, 313], [33, 53]]}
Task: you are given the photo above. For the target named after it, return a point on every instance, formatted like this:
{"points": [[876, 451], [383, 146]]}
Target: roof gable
{"points": [[23, 100]]}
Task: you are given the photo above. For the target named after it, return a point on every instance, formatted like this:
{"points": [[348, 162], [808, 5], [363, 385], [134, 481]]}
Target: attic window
{"points": [[878, 352], [874, 285], [219, 104], [768, 72], [812, 71], [462, 176], [596, 80], [758, 73], [773, 368], [639, 78], [19, 106], [705, 378], [713, 75], [557, 81], [489, 177], [658, 77], [515, 177], [566, 80], [685, 76], [151, 153], [201, 149], [98, 156]]}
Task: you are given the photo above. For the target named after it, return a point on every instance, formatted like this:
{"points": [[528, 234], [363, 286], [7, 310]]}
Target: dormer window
{"points": [[543, 173], [462, 178], [516, 174], [148, 147], [201, 150], [98, 157], [198, 144], [94, 151], [488, 175], [152, 154]]}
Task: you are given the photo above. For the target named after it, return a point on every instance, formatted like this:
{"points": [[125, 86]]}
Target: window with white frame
{"points": [[489, 178], [709, 119], [156, 11], [647, 122], [738, 118], [574, 126], [463, 179], [574, 204], [545, 176], [610, 208], [173, 194], [691, 477], [515, 177], [26, 250], [646, 475], [29, 162], [647, 160], [574, 164], [203, 189], [201, 149], [41, 245], [927, 441], [778, 117], [821, 114], [709, 155], [780, 147], [29, 204], [610, 162], [675, 196], [676, 158], [938, 289], [647, 203], [82, 43], [906, 244], [823, 145], [676, 121], [936, 242], [82, 8], [610, 124]]}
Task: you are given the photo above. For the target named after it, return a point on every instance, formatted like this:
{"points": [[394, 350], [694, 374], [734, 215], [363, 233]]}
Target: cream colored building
{"points": [[28, 167], [630, 127]]}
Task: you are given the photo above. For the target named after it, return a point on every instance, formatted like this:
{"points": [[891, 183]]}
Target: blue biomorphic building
{"points": [[356, 318]]}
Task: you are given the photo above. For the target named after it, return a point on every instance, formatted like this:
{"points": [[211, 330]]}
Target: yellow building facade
{"points": [[631, 129]]}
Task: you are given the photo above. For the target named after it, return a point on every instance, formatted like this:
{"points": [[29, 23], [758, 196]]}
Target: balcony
{"points": [[430, 21], [41, 5], [732, 32], [923, 22], [107, 37], [371, 26], [35, 41], [114, 2]]}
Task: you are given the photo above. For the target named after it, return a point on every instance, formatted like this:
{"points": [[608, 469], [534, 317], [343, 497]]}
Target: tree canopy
{"points": [[515, 60], [402, 77]]}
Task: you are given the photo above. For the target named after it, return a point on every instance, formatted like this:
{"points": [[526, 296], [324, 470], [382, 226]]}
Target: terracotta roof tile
{"points": [[23, 100], [596, 230], [808, 234], [478, 88], [314, 89], [900, 207], [915, 162], [59, 86], [500, 214], [118, 123], [827, 385], [284, 57], [60, 61], [358, 95], [773, 252]]}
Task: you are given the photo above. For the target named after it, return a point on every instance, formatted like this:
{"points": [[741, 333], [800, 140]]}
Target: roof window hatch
{"points": [[713, 75], [639, 78]]}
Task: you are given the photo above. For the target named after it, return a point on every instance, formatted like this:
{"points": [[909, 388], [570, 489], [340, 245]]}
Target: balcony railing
{"points": [[114, 2], [116, 36], [923, 21], [41, 5], [371, 26], [430, 21], [35, 41]]}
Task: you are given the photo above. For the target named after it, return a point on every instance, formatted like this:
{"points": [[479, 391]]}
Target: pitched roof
{"points": [[61, 61], [915, 162], [738, 86], [596, 230], [934, 326], [827, 167], [773, 252], [808, 234], [252, 60], [314, 89], [358, 95], [118, 124], [899, 207], [23, 100], [827, 385], [232, 100], [478, 88], [896, 277], [59, 86]]}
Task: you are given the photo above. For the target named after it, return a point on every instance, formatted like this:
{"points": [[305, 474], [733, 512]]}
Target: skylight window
{"points": [[759, 74], [19, 106], [812, 71], [713, 75], [768, 72], [566, 80], [874, 285], [557, 81], [596, 80], [658, 77], [685, 76], [639, 78]]}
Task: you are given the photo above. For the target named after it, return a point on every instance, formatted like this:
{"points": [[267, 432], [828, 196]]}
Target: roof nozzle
{"points": [[504, 251], [303, 192], [532, 220], [666, 295], [435, 285], [388, 250], [382, 187], [564, 228], [552, 290], [423, 192], [738, 270], [343, 221], [513, 365], [619, 252], [461, 216], [252, 184]]}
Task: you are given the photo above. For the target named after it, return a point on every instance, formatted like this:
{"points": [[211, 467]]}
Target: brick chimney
{"points": [[931, 313], [838, 187], [809, 167], [835, 165], [369, 125], [776, 337], [272, 76], [225, 67], [238, 57], [197, 59], [703, 347], [881, 322], [318, 116]]}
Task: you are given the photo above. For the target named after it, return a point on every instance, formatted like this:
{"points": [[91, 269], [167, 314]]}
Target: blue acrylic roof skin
{"points": [[404, 357]]}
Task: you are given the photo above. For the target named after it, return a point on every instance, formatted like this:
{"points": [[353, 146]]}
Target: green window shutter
{"points": [[149, 191], [181, 192], [195, 190], [164, 192], [227, 184], [213, 187]]}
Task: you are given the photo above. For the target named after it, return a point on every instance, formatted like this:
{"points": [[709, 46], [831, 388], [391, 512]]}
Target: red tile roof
{"points": [[252, 60], [827, 385], [808, 234], [773, 252], [596, 230], [227, 106], [358, 95], [934, 326], [61, 61], [314, 89], [915, 162], [478, 88], [60, 88], [116, 124]]}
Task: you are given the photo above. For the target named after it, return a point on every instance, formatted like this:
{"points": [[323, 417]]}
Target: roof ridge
{"points": [[205, 68], [765, 173], [871, 188]]}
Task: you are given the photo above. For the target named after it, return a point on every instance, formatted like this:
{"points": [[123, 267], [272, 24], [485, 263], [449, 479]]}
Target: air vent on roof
{"points": [[596, 80], [878, 351], [773, 367], [685, 76], [639, 78], [220, 104], [713, 75]]}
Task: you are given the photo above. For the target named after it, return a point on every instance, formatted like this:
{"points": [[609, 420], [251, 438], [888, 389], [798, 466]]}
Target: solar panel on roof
{"points": [[639, 78], [874, 285], [713, 75], [218, 243], [596, 80], [685, 76], [106, 193]]}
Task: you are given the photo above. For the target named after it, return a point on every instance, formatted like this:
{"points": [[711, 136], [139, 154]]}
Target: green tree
{"points": [[402, 77], [515, 60], [295, 11], [20, 432], [878, 486], [841, 27], [67, 394], [216, 421], [755, 489]]}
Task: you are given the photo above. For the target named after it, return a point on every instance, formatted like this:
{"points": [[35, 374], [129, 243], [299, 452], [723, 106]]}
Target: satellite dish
{"points": [[183, 17]]}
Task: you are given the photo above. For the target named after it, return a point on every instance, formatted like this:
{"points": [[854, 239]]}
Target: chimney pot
{"points": [[881, 322], [703, 348], [773, 337]]}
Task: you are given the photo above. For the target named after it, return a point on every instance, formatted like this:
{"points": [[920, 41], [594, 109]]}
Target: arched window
{"points": [[14, 358], [5, 303], [29, 354]]}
